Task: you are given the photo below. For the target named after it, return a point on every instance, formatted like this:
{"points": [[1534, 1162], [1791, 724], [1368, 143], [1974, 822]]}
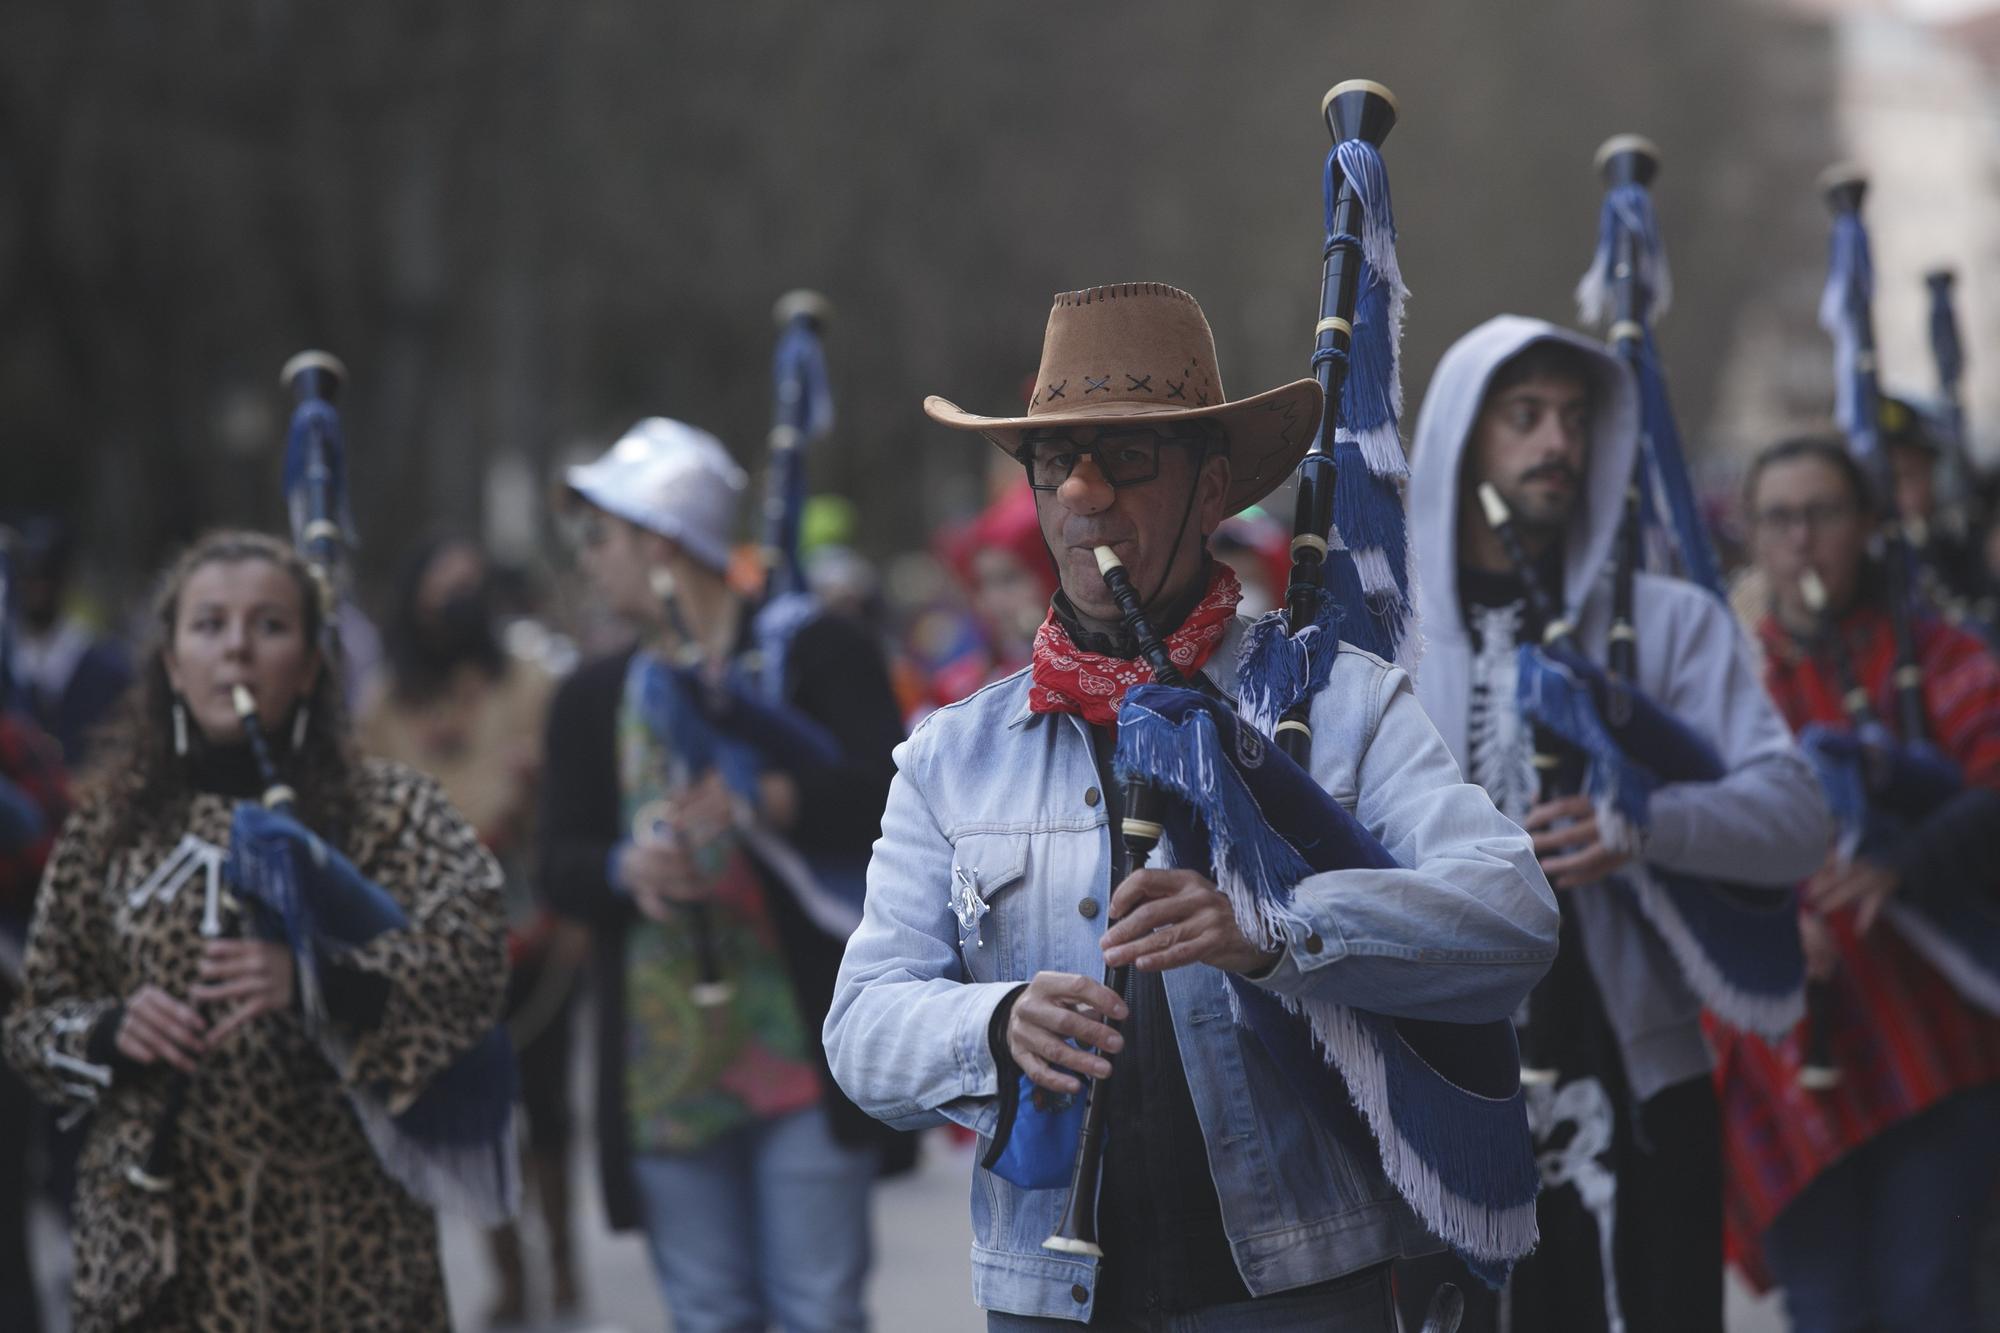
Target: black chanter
{"points": [[1819, 1070], [711, 989], [155, 1174], [1365, 110], [1140, 831], [1626, 159], [1558, 765]]}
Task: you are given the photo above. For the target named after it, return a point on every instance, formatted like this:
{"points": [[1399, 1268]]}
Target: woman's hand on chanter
{"points": [[158, 1028], [253, 976]]}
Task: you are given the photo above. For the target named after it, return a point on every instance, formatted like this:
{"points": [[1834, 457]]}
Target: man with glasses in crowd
{"points": [[997, 897]]}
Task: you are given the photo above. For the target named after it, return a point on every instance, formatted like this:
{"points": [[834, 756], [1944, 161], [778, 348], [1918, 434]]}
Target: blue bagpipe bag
{"points": [[1737, 945], [1442, 1100], [737, 726], [1879, 790], [452, 1146]]}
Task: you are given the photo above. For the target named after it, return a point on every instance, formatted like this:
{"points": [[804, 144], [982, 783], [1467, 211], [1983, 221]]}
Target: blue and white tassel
{"points": [[1368, 447], [1843, 308], [1673, 513]]}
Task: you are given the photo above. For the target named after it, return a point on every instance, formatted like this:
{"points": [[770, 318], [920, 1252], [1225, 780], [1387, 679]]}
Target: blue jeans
{"points": [[768, 1224], [1883, 1242], [1356, 1305]]}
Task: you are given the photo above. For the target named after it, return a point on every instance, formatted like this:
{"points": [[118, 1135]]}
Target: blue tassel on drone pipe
{"points": [[1843, 308], [1372, 399], [1667, 468], [1627, 208], [1278, 669], [316, 422], [1358, 625], [803, 394]]}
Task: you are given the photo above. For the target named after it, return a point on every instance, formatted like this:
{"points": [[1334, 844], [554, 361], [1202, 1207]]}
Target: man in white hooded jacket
{"points": [[1627, 1135]]}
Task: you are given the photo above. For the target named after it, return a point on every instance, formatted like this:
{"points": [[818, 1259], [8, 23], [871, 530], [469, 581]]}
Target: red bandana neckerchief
{"points": [[1068, 680]]}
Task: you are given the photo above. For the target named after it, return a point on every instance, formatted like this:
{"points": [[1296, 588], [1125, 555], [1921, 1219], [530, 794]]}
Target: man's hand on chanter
{"points": [[1057, 1006], [1170, 918], [1569, 844]]}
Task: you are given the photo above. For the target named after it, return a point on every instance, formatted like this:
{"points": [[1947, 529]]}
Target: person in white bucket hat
{"points": [[705, 791]]}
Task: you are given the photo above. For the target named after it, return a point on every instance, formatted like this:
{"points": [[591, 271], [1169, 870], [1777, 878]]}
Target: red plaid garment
{"points": [[30, 759], [1901, 1035]]}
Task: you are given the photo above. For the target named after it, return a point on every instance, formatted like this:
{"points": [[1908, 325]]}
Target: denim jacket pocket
{"points": [[986, 868]]}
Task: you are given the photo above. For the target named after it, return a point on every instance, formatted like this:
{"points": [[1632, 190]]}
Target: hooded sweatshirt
{"points": [[1764, 823]]}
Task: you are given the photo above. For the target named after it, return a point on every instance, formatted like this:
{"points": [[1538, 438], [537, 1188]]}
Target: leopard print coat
{"points": [[280, 1216]]}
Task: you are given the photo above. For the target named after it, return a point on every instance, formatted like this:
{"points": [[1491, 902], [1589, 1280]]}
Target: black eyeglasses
{"points": [[1124, 455], [1777, 520]]}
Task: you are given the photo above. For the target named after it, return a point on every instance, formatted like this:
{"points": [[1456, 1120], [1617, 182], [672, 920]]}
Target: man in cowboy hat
{"points": [[996, 898]]}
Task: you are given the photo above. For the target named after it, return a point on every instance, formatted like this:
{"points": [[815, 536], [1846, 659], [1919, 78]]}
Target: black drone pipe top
{"points": [[1628, 159], [803, 303], [1359, 109], [1843, 185], [1941, 280], [312, 375]]}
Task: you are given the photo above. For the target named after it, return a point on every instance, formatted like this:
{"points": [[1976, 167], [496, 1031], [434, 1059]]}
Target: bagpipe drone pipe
{"points": [[1350, 554], [1626, 289], [1441, 1101], [802, 416], [1880, 781], [1737, 945], [451, 1145]]}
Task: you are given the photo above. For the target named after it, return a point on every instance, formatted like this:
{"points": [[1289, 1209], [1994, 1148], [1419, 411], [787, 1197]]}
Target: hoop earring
{"points": [[180, 728], [299, 720]]}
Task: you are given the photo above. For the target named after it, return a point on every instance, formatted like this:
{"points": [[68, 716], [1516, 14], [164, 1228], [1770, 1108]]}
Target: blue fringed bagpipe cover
{"points": [[1441, 1099], [453, 1145], [1738, 945]]}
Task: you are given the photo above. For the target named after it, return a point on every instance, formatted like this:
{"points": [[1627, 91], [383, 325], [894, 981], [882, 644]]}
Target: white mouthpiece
{"points": [[1813, 591], [1107, 559], [661, 580], [245, 702], [1495, 507]]}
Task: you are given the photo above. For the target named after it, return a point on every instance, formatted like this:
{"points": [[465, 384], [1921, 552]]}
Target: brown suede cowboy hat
{"points": [[1143, 351]]}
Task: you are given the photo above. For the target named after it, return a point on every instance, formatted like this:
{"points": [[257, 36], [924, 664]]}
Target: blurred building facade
{"points": [[524, 225]]}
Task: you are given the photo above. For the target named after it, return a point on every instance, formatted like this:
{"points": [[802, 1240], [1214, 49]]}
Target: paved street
{"points": [[923, 1233], [921, 1284]]}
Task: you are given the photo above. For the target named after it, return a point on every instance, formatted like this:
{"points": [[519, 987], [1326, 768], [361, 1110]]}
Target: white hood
{"points": [[1457, 388]]}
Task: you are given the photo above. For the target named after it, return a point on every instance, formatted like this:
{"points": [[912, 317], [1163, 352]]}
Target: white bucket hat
{"points": [[671, 478]]}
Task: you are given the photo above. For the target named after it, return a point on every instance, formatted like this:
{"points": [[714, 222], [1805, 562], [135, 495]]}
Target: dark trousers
{"points": [[1666, 1236], [17, 1272], [1883, 1241]]}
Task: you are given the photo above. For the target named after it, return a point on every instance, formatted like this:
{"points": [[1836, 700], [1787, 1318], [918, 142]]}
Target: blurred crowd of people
{"points": [[524, 703]]}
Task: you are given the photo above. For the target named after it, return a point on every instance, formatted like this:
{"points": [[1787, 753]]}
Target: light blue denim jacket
{"points": [[986, 789]]}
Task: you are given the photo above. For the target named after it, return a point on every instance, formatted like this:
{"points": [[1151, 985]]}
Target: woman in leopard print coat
{"points": [[279, 1215]]}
